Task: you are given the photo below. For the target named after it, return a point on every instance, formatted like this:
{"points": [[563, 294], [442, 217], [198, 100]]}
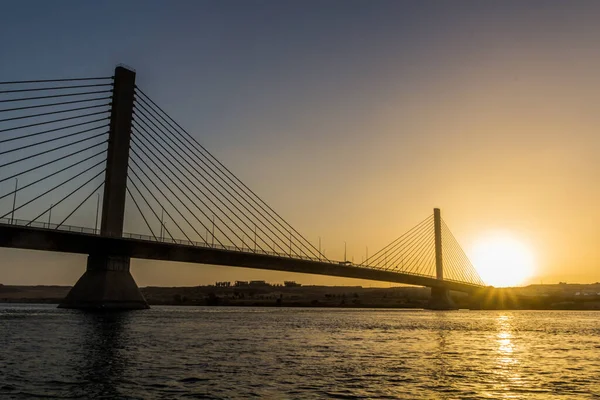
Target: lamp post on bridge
{"points": [[162, 224], [213, 230], [12, 214], [97, 212], [320, 248]]}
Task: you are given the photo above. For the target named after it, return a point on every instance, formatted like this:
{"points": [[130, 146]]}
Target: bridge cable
{"points": [[53, 112], [154, 156], [189, 190], [409, 255], [177, 157], [431, 263], [54, 88], [65, 197], [162, 193], [229, 175], [54, 104], [453, 269], [422, 269], [422, 247], [55, 96], [51, 175], [451, 252], [377, 255], [147, 203], [141, 213], [451, 272], [56, 160], [53, 149], [390, 256], [230, 196], [220, 193], [166, 198], [53, 188], [55, 80], [54, 139], [403, 249], [236, 197], [174, 183], [223, 196], [403, 254], [53, 130], [80, 204], [53, 121], [467, 263], [163, 224], [418, 252], [400, 238], [450, 260], [398, 244]]}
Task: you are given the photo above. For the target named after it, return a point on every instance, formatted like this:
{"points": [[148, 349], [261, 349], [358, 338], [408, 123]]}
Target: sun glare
{"points": [[502, 260]]}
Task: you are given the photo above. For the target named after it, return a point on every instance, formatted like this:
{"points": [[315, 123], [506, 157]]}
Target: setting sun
{"points": [[502, 260]]}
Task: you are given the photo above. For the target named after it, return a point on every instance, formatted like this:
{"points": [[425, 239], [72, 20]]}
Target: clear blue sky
{"points": [[481, 108]]}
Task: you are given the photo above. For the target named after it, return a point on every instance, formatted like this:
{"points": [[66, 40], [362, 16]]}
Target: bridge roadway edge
{"points": [[13, 236]]}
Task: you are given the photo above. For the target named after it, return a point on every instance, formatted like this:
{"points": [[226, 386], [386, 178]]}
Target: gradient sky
{"points": [[353, 119]]}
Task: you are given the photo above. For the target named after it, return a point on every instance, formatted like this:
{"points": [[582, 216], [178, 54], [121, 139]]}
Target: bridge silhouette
{"points": [[95, 166]]}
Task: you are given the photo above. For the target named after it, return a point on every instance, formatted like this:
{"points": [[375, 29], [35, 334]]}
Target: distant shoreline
{"points": [[534, 297]]}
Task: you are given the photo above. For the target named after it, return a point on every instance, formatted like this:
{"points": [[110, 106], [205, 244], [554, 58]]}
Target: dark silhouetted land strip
{"points": [[559, 297]]}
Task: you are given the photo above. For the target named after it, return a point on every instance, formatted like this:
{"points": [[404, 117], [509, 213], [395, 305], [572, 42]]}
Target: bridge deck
{"points": [[86, 242]]}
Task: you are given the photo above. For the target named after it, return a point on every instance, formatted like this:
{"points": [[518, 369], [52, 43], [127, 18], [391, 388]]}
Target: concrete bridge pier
{"points": [[107, 283], [440, 296], [441, 300]]}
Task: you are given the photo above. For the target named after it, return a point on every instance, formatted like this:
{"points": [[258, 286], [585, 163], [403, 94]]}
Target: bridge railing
{"points": [[92, 231], [258, 251], [136, 236], [221, 247], [49, 225]]}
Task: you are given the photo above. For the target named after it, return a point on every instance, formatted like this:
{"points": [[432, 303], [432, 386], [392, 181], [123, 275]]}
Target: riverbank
{"points": [[534, 297]]}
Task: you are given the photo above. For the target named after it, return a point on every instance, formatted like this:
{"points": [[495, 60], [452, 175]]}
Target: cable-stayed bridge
{"points": [[95, 166]]}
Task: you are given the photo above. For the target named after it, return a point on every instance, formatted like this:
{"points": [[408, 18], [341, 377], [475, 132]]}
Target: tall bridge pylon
{"points": [[107, 282], [440, 296]]}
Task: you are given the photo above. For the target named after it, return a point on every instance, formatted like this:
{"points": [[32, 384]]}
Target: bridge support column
{"points": [[441, 300], [440, 296], [107, 282]]}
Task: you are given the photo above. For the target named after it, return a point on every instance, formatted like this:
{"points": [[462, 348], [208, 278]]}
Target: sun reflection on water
{"points": [[507, 362], [504, 339]]}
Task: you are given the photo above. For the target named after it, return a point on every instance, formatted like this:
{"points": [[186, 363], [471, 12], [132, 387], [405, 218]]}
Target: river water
{"points": [[287, 353]]}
